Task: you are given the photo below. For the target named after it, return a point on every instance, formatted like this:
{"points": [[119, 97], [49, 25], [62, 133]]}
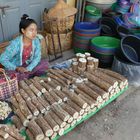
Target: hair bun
{"points": [[25, 16]]}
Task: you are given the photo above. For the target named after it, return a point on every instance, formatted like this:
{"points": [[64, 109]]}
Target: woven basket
{"points": [[63, 25], [61, 16], [8, 85], [66, 41]]}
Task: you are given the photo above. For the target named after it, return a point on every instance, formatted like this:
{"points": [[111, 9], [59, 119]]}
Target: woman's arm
{"points": [[8, 55]]}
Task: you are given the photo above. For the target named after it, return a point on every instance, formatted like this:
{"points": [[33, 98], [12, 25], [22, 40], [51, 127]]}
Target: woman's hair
{"points": [[25, 22]]}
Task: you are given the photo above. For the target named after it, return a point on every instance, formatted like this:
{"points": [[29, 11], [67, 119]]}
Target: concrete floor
{"points": [[120, 120]]}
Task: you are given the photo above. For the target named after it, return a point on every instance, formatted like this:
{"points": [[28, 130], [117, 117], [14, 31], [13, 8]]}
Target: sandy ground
{"points": [[120, 120]]}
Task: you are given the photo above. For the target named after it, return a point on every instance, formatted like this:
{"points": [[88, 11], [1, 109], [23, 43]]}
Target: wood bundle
{"points": [[10, 133]]}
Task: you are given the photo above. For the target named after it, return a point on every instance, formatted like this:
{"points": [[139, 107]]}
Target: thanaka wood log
{"points": [[24, 95], [79, 119], [46, 86], [36, 130], [3, 134], [28, 82], [53, 136], [56, 98], [19, 98], [38, 105], [78, 91], [57, 119], [44, 102], [61, 131], [33, 108], [13, 132], [90, 92], [74, 67], [97, 89], [57, 79], [96, 80], [105, 77], [70, 120], [90, 103], [29, 134], [73, 123], [25, 110], [22, 117], [38, 85], [51, 122], [61, 95], [46, 128], [67, 126], [14, 102], [17, 122], [70, 73], [75, 98], [70, 110], [35, 90], [49, 98], [53, 85], [63, 115], [75, 106]]}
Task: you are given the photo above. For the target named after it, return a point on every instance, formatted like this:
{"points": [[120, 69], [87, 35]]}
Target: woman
{"points": [[23, 55]]}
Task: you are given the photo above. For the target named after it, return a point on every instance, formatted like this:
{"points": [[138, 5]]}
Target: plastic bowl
{"points": [[86, 27], [106, 42], [131, 49]]}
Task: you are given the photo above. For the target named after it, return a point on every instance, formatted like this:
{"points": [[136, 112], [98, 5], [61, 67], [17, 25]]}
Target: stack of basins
{"points": [[92, 14], [127, 58], [123, 6], [83, 32], [104, 48]]}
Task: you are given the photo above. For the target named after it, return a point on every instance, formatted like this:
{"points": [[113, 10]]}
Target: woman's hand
{"points": [[21, 70]]}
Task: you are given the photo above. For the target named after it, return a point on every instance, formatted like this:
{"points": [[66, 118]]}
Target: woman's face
{"points": [[31, 31]]}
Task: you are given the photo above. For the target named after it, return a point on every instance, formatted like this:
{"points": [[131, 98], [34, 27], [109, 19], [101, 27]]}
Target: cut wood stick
{"points": [[70, 110], [96, 80], [61, 131], [63, 115], [90, 103], [54, 85], [22, 117], [57, 79], [46, 128], [87, 108], [114, 74], [73, 123], [76, 107], [17, 122], [29, 134], [70, 73], [36, 130], [28, 82], [14, 102], [3, 134], [38, 105], [13, 132], [61, 95], [57, 119], [67, 126], [25, 110], [33, 108], [51, 122], [105, 77], [79, 119], [24, 95], [44, 102], [53, 136], [97, 89], [46, 86], [56, 98], [35, 90], [49, 98], [70, 120], [19, 98], [75, 98], [90, 92], [38, 85]]}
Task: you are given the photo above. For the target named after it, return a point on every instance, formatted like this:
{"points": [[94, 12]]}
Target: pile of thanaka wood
{"points": [[49, 106], [8, 132]]}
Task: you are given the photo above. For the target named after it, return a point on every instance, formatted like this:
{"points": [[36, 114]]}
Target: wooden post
{"points": [[61, 95], [36, 130]]}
